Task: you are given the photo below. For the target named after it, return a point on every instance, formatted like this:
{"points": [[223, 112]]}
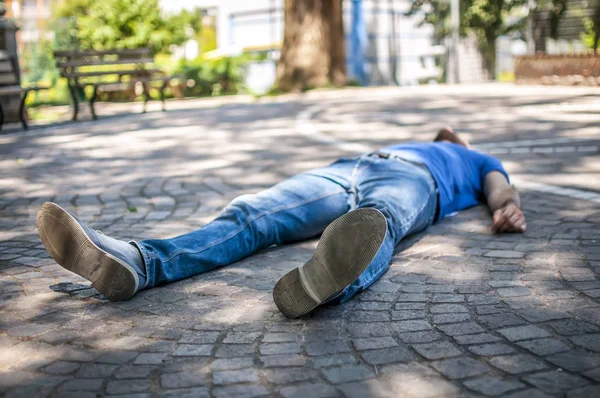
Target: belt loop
{"points": [[381, 155]]}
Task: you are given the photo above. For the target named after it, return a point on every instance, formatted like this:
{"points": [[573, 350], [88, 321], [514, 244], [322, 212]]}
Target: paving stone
{"points": [[61, 368], [491, 349], [326, 347], [540, 314], [504, 254], [355, 329], [134, 371], [369, 316], [419, 337], [289, 375], [283, 360], [513, 292], [231, 363], [529, 393], [96, 370], [544, 347], [495, 321], [523, 333], [127, 386], [448, 298], [150, 359], [332, 360], [476, 338], [241, 337], [482, 299], [279, 337], [459, 368], [571, 327], [411, 297], [587, 341], [234, 350], [200, 337], [554, 382], [279, 348], [410, 306], [374, 343], [437, 350], [593, 374], [182, 380], [407, 314], [588, 314], [410, 278], [235, 376], [82, 385], [373, 306], [584, 392], [192, 350], [388, 355], [317, 390], [576, 360], [410, 326], [245, 391], [450, 318], [118, 357], [347, 373], [457, 329], [447, 308], [198, 392], [515, 364], [492, 386]]}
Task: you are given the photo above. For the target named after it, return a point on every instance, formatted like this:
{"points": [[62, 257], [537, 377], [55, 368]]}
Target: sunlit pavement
{"points": [[461, 312]]}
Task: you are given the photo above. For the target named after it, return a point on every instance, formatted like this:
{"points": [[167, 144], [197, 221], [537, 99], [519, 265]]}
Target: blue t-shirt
{"points": [[459, 172]]}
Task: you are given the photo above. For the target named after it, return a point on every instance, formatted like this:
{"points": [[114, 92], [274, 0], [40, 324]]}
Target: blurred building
{"points": [[397, 50], [32, 17], [569, 29]]}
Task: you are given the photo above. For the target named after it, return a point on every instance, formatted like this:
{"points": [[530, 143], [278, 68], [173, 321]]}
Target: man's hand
{"points": [[509, 219]]}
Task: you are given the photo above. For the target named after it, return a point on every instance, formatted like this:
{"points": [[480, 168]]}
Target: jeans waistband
{"points": [[384, 155]]}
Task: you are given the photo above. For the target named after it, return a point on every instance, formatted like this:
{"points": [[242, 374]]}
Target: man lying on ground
{"points": [[362, 206]]}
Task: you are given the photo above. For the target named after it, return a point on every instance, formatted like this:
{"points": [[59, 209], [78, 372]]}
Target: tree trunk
{"points": [[313, 53]]}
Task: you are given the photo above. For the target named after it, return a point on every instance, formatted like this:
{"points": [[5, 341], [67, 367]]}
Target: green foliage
{"points": [[591, 36], [487, 19], [556, 9], [121, 24], [217, 76]]}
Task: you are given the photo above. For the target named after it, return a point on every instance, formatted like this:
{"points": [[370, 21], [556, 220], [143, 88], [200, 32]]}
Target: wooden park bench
{"points": [[110, 71], [10, 86]]}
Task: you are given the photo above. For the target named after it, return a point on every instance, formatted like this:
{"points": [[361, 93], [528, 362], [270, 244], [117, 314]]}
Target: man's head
{"points": [[446, 134]]}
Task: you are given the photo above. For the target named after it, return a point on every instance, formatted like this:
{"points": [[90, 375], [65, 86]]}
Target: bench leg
{"points": [[1, 116], [22, 115], [73, 91], [162, 95], [92, 101], [146, 95]]}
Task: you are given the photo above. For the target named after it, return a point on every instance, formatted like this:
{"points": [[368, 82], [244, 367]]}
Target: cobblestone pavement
{"points": [[461, 312]]}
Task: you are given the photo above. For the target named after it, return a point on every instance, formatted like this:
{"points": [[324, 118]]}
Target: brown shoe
{"points": [[345, 250]]}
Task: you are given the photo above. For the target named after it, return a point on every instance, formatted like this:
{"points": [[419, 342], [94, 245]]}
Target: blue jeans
{"points": [[300, 208]]}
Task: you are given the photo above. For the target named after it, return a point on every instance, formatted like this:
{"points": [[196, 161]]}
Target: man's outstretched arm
{"points": [[505, 204]]}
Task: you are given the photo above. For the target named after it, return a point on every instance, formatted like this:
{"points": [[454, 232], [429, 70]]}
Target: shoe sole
{"points": [[345, 250], [68, 244]]}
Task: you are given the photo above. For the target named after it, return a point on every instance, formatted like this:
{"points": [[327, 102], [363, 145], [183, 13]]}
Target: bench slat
{"points": [[93, 62], [131, 72], [7, 79], [6, 66], [8, 90], [83, 54]]}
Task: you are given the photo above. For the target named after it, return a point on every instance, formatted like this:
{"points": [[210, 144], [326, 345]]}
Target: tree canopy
{"points": [[120, 24], [486, 19]]}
